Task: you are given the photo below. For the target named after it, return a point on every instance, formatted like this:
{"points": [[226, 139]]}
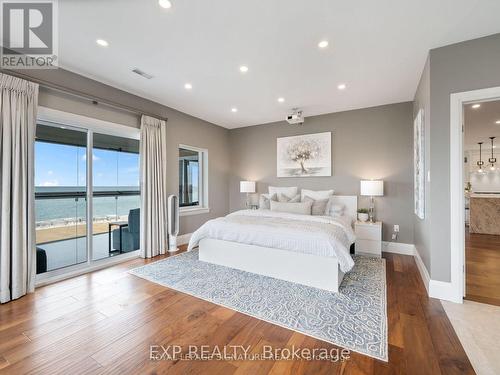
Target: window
{"points": [[192, 178]]}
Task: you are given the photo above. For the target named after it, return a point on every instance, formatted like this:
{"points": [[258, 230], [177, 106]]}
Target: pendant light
{"points": [[480, 163], [492, 160]]}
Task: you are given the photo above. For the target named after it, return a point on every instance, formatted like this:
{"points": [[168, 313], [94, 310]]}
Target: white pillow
{"points": [[301, 208], [316, 194], [288, 191]]}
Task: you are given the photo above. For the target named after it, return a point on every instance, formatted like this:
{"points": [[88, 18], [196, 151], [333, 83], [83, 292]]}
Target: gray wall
{"points": [[421, 227], [368, 143], [470, 65], [181, 128]]}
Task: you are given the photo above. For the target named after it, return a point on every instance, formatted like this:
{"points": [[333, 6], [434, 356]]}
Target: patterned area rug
{"points": [[355, 318]]}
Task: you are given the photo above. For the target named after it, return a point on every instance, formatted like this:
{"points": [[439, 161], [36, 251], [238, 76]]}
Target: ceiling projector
{"points": [[296, 117]]}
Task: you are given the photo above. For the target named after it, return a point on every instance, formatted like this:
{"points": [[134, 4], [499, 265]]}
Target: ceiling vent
{"points": [[142, 74]]}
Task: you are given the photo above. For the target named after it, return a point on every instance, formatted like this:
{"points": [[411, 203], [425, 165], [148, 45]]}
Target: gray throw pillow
{"points": [[285, 198], [264, 201], [318, 207]]}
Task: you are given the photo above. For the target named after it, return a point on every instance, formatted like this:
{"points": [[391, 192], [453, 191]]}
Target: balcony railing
{"points": [[61, 222]]}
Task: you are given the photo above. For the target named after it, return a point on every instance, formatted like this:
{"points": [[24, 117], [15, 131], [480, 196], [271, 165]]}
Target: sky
{"points": [[63, 165]]}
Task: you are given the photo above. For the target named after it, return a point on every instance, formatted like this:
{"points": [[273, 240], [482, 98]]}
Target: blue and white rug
{"points": [[355, 318]]}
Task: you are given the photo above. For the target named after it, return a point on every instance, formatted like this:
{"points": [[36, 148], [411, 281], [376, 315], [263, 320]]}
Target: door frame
{"points": [[89, 126], [457, 196]]}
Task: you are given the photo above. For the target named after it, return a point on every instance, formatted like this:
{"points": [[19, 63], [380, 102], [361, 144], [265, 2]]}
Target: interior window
{"points": [[190, 177]]}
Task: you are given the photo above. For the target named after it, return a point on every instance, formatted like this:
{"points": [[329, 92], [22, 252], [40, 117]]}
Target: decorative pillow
{"points": [[318, 206], [283, 198], [334, 209], [316, 194], [264, 200], [337, 207], [301, 208], [288, 191]]}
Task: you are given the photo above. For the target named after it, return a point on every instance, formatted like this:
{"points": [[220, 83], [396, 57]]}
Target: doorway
{"points": [[457, 286], [481, 172]]}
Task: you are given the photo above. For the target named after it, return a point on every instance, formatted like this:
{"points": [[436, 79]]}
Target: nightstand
{"points": [[368, 238]]}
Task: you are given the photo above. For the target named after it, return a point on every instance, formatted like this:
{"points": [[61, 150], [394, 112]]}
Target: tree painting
{"points": [[303, 151], [304, 155]]}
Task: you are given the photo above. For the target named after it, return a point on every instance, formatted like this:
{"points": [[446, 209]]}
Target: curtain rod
{"points": [[93, 99]]}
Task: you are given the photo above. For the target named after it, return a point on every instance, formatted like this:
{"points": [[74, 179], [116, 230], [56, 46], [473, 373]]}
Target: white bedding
{"points": [[316, 235]]}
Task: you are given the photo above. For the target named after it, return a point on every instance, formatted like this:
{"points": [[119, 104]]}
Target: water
{"points": [[75, 208]]}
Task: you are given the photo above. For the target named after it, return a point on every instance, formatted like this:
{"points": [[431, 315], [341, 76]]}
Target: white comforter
{"points": [[317, 235]]}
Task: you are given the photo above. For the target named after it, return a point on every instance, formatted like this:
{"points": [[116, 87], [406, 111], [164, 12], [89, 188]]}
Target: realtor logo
{"points": [[29, 34]]}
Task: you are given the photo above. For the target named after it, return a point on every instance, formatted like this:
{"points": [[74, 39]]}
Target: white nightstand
{"points": [[368, 238]]}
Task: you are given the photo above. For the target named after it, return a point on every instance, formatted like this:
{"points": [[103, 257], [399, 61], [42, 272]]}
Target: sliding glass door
{"points": [[60, 197], [81, 174], [116, 196]]}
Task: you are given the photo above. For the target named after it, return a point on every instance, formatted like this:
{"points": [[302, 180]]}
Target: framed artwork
{"points": [[419, 164], [307, 155]]}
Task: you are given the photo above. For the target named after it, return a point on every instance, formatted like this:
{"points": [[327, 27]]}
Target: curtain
{"points": [[18, 108], [153, 153]]}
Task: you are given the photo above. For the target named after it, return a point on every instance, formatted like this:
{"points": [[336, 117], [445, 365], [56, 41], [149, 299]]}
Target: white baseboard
{"points": [[424, 274], [183, 239], [436, 289], [443, 290], [398, 248]]}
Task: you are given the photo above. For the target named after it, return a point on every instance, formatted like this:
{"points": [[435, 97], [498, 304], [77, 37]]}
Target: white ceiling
{"points": [[377, 47], [480, 125]]}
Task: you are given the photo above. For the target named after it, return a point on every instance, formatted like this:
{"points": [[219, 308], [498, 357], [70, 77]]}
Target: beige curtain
{"points": [[18, 107], [153, 151]]}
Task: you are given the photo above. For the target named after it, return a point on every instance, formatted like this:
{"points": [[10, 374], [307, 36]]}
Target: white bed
{"points": [[308, 250]]}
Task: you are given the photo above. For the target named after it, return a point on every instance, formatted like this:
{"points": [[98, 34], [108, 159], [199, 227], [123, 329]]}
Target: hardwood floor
{"points": [[482, 254], [105, 322]]}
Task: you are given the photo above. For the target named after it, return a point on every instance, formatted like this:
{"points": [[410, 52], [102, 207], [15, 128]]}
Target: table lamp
{"points": [[247, 187], [372, 188]]}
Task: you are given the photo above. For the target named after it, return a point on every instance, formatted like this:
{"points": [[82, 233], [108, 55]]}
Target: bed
{"points": [[304, 249]]}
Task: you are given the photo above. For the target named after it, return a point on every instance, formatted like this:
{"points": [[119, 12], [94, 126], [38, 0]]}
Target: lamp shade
{"points": [[372, 188], [247, 186]]}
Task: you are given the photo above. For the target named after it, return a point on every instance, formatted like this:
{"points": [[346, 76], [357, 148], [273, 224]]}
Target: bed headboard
{"points": [[350, 202]]}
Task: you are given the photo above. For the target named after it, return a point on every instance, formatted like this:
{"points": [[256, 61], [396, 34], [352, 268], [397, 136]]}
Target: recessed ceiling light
{"points": [[281, 100], [165, 4], [342, 86], [234, 109], [323, 44], [243, 68], [475, 106], [188, 86], [497, 122], [102, 42]]}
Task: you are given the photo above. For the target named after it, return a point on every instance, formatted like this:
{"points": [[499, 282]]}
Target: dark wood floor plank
{"points": [[448, 350], [420, 352], [100, 335], [482, 256]]}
